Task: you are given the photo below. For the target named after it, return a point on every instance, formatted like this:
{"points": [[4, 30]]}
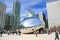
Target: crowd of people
{"points": [[10, 32], [36, 32]]}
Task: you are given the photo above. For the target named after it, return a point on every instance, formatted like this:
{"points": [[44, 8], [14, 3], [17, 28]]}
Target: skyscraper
{"points": [[53, 9], [7, 22], [16, 13], [2, 15], [13, 21]]}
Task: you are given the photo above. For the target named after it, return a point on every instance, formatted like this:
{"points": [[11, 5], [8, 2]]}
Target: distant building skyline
{"points": [[16, 13], [2, 15], [36, 5]]}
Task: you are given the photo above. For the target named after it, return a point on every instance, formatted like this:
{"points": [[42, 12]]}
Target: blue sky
{"points": [[36, 5]]}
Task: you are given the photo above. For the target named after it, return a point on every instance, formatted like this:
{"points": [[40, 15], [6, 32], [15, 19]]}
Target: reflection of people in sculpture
{"points": [[35, 32]]}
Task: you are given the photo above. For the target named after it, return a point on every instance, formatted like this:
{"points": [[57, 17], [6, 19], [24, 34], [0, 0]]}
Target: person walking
{"points": [[13, 32], [19, 32], [56, 35], [1, 33], [16, 32], [48, 32], [8, 33], [35, 32]]}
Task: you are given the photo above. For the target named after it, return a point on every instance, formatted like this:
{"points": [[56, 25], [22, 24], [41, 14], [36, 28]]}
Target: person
{"points": [[19, 32], [8, 33], [1, 33], [56, 35], [35, 32], [13, 32], [16, 32], [48, 32], [41, 32]]}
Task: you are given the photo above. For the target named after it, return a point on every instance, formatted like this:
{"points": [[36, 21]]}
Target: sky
{"points": [[36, 5]]}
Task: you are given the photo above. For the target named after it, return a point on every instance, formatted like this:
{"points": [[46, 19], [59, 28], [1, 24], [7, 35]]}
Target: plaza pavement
{"points": [[28, 37]]}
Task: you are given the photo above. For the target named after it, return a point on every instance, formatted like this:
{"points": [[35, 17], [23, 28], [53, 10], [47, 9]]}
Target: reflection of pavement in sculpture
{"points": [[28, 37], [28, 30]]}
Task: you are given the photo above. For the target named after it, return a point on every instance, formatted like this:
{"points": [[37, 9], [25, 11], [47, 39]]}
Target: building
{"points": [[7, 22], [2, 15], [13, 21], [53, 9], [30, 13], [16, 13], [41, 16]]}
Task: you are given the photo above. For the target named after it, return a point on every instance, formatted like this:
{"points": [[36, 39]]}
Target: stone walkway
{"points": [[28, 37]]}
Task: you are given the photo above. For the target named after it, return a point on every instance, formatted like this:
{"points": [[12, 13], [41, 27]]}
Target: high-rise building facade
{"points": [[7, 19], [13, 21], [16, 13], [53, 9], [7, 22], [2, 15]]}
